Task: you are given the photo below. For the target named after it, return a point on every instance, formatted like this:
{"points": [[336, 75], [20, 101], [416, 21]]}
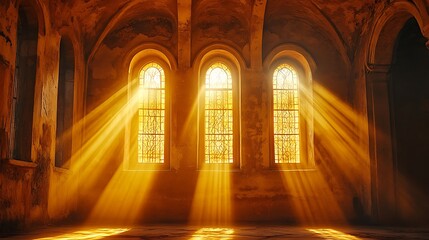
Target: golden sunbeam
{"points": [[97, 233], [338, 122], [212, 198], [188, 125], [328, 233], [90, 165], [122, 194], [335, 124], [316, 202], [103, 125], [213, 233], [123, 199]]}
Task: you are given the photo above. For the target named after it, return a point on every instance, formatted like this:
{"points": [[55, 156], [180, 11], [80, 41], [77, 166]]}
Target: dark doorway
{"points": [[410, 116]]}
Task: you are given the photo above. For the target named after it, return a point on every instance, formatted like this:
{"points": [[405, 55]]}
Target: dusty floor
{"points": [[243, 232]]}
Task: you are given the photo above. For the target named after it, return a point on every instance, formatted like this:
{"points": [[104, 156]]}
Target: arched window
{"points": [[151, 115], [291, 127], [63, 148], [286, 115], [147, 132], [290, 98], [24, 83], [219, 115]]}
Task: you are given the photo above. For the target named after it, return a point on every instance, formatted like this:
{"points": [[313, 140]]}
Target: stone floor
{"points": [[241, 232]]}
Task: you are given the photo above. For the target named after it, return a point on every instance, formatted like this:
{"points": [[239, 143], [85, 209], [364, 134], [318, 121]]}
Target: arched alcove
{"points": [[24, 83], [65, 98], [410, 114], [384, 54]]}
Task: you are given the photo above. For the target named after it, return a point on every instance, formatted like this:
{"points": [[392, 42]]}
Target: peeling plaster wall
{"points": [[25, 186]]}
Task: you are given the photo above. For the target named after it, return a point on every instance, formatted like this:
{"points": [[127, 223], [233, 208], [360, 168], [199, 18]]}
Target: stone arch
{"points": [[38, 13], [379, 59], [222, 50], [387, 27]]}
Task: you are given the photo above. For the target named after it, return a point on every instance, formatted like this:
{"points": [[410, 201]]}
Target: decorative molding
{"points": [[377, 68], [21, 163]]}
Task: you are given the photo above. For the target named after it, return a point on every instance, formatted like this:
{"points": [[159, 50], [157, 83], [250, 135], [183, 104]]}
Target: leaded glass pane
{"points": [[218, 115], [151, 114], [286, 115]]}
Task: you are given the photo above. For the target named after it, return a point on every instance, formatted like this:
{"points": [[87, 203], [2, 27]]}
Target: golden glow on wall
{"points": [[213, 233], [151, 114], [97, 233], [218, 115], [286, 115], [328, 233], [211, 205]]}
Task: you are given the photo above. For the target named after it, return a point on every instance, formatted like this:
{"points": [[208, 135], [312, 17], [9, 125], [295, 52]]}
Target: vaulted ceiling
{"points": [[245, 24]]}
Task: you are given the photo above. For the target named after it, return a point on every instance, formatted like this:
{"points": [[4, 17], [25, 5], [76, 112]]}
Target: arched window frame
{"points": [[65, 102], [24, 86], [305, 109], [131, 141], [235, 75]]}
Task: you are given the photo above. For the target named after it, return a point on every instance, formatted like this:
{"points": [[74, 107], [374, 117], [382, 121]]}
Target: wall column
{"points": [[381, 145]]}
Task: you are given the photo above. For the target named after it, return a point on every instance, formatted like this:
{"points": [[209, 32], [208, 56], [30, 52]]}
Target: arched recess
{"points": [[409, 87], [227, 56], [303, 63], [65, 103], [220, 49], [380, 59], [138, 60], [28, 30], [131, 10]]}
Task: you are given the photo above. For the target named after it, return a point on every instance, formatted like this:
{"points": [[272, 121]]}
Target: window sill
{"points": [[21, 163], [62, 170], [293, 170], [146, 170], [220, 170]]}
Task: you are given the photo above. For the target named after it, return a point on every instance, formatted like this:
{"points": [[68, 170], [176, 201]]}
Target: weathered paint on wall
{"points": [[25, 186]]}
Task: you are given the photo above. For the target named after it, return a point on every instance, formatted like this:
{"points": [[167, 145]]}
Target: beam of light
{"points": [[212, 198], [213, 233], [118, 196], [101, 127], [328, 233], [97, 233], [123, 199], [342, 169]]}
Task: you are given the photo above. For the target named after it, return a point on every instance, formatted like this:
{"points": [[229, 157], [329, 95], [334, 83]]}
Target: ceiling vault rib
{"points": [[256, 33], [109, 26], [184, 12]]}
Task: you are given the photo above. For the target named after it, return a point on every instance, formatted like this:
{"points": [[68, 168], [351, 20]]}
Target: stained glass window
{"points": [[286, 115], [151, 114], [218, 115]]}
